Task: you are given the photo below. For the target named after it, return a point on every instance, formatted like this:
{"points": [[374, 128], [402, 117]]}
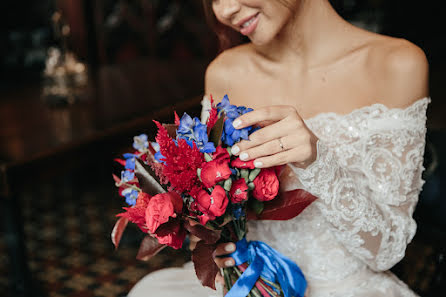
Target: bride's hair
{"points": [[227, 37]]}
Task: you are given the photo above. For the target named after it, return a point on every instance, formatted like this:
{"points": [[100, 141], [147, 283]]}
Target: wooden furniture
{"points": [[37, 139]]}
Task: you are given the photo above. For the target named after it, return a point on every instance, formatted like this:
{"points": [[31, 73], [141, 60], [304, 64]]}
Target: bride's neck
{"points": [[314, 31]]}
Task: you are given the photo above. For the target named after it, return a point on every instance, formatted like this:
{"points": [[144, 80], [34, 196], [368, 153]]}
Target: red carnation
{"points": [[214, 172], [221, 155], [160, 208], [171, 233], [239, 191], [213, 204], [237, 163], [266, 185]]}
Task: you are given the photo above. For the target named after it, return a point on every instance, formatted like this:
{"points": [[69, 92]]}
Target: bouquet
{"points": [[187, 182]]}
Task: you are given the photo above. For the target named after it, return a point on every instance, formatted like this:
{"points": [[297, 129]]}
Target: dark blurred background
{"points": [[79, 78]]}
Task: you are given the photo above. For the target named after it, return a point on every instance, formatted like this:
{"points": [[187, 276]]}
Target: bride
{"points": [[346, 110]]}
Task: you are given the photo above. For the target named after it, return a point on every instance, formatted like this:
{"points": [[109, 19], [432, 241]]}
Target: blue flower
{"points": [[193, 131], [141, 143], [130, 196], [130, 160], [127, 175], [237, 211], [158, 156], [186, 124], [230, 110]]}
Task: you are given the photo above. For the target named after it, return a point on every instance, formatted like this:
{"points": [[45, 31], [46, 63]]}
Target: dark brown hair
{"points": [[227, 37]]}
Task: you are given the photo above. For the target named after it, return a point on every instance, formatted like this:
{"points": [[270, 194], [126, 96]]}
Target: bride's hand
{"points": [[283, 139]]}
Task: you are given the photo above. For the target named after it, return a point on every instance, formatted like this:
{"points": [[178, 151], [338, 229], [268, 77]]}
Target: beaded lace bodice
{"points": [[367, 177]]}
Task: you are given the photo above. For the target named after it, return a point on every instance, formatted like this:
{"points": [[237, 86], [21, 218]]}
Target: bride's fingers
{"points": [[290, 156], [224, 262], [271, 113], [224, 249], [269, 133], [277, 145]]}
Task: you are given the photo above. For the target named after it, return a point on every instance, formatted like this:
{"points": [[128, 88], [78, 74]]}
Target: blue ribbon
{"points": [[266, 262]]}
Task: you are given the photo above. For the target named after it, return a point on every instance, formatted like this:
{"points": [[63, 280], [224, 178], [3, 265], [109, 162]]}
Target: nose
{"points": [[226, 8]]}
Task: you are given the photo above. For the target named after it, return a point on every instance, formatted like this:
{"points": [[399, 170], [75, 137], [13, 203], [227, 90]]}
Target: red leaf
{"points": [[149, 247], [177, 119], [117, 179], [286, 206], [207, 235], [118, 230], [120, 161], [204, 264]]}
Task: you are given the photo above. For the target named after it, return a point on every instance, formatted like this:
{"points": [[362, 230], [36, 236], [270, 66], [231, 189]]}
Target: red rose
{"points": [[171, 233], [160, 208], [221, 155], [237, 163], [239, 191], [214, 204], [205, 218], [266, 185], [213, 172]]}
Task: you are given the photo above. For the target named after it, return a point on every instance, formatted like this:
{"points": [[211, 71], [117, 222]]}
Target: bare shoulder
{"points": [[400, 69], [222, 71]]}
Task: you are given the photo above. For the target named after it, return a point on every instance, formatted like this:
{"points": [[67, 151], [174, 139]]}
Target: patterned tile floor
{"points": [[68, 241], [68, 221]]}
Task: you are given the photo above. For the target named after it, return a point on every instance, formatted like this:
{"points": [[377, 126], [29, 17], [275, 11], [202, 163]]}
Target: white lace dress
{"points": [[367, 177]]}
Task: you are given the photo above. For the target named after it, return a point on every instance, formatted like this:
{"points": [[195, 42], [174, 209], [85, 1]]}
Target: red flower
{"points": [[213, 116], [221, 155], [171, 233], [160, 208], [205, 218], [180, 162], [214, 204], [266, 185], [239, 191], [137, 213], [213, 172], [237, 163]]}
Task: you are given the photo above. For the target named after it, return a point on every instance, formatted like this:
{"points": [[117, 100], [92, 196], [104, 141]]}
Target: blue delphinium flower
{"points": [[127, 175], [237, 211], [141, 143], [158, 156], [230, 135], [130, 196], [130, 160], [193, 131]]}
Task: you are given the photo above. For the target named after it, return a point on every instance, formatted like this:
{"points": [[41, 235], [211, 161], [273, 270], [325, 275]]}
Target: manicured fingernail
{"points": [[236, 123], [229, 263], [235, 149], [230, 247], [258, 164], [244, 156]]}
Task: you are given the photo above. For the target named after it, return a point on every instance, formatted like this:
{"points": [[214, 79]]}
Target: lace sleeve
{"points": [[369, 196]]}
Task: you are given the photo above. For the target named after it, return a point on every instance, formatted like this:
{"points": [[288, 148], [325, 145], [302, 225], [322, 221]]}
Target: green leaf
{"points": [[253, 174], [244, 173], [257, 206], [228, 184], [207, 157]]}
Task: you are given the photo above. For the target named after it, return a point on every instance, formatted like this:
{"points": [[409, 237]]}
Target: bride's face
{"points": [[260, 20]]}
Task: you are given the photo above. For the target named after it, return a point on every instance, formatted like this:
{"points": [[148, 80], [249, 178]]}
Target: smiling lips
{"points": [[248, 25]]}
